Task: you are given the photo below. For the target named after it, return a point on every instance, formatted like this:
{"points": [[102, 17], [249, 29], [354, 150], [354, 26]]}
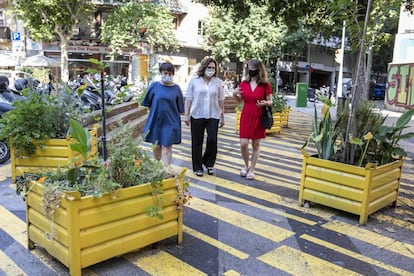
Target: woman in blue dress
{"points": [[166, 103]]}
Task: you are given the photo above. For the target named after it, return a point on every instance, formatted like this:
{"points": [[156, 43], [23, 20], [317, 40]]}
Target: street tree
{"points": [[135, 24], [255, 36], [53, 20]]}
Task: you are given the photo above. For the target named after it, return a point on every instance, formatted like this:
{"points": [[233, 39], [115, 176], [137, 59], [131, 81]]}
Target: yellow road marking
{"points": [[264, 195], [296, 262], [356, 256], [231, 273], [5, 172], [253, 225], [394, 221], [250, 203], [162, 263], [218, 244], [371, 238], [8, 266]]}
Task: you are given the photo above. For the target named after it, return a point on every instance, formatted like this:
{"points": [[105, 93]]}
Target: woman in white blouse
{"points": [[204, 111]]}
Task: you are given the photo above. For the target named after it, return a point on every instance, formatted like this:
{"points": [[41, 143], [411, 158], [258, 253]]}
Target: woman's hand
{"points": [[187, 119], [237, 94], [262, 103]]}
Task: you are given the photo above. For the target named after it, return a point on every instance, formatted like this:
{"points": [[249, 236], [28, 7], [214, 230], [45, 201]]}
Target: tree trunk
{"points": [[64, 64]]}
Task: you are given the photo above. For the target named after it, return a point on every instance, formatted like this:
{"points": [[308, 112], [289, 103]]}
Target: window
{"points": [[200, 28], [2, 21]]}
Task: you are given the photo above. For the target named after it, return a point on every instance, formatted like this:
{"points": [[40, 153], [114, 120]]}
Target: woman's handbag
{"points": [[267, 115]]}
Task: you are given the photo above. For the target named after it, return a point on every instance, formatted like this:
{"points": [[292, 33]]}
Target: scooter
{"points": [[4, 147]]}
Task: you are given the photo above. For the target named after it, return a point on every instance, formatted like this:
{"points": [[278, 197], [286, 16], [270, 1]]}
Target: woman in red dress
{"points": [[252, 92]]}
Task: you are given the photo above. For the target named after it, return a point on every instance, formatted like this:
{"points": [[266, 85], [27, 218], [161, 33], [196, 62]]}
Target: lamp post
{"points": [[104, 150]]}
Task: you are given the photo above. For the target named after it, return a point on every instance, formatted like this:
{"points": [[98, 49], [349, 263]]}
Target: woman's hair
{"points": [[167, 66], [203, 66], [257, 65]]}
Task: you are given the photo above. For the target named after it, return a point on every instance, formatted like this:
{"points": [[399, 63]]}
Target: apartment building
{"points": [[315, 65]]}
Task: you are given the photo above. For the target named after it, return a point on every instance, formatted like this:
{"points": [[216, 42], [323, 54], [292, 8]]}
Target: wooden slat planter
{"points": [[280, 119], [55, 153], [87, 230], [357, 190]]}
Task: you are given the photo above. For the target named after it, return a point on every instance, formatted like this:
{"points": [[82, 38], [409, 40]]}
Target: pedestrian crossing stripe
{"points": [[250, 224], [218, 244], [253, 204], [371, 237], [296, 262], [162, 263], [8, 266], [267, 196], [356, 256]]}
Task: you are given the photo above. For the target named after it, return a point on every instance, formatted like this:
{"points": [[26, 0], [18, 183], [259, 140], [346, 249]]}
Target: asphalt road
{"points": [[234, 226]]}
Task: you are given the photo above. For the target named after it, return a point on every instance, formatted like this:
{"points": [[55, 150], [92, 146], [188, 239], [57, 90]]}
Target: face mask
{"points": [[166, 79], [209, 73], [253, 73]]}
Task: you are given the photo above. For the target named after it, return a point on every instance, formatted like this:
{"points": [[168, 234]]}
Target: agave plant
{"points": [[324, 132]]}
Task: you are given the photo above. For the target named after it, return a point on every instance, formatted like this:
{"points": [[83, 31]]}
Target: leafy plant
{"points": [[388, 138], [279, 103], [39, 118], [324, 132], [377, 143]]}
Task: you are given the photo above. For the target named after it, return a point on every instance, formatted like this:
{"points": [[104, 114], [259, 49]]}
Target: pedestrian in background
{"points": [[204, 111], [166, 103], [255, 92]]}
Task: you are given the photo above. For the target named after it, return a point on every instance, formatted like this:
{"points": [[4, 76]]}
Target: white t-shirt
{"points": [[205, 97]]}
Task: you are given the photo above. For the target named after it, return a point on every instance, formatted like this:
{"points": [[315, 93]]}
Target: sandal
{"points": [[250, 176], [243, 172]]}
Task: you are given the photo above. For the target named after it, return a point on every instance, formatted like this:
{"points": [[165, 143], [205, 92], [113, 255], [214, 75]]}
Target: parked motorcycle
{"points": [[4, 147]]}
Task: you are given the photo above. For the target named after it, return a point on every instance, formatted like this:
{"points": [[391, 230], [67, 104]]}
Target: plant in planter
{"points": [[280, 111], [361, 187], [89, 212], [38, 128], [280, 108]]}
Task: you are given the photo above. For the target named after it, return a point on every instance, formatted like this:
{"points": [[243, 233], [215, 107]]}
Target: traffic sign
{"points": [[16, 36]]}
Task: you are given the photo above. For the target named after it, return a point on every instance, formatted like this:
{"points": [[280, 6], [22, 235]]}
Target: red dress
{"points": [[251, 117]]}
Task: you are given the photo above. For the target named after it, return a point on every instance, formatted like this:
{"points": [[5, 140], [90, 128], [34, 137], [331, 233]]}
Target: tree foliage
{"points": [[46, 19], [130, 24], [255, 36], [52, 19]]}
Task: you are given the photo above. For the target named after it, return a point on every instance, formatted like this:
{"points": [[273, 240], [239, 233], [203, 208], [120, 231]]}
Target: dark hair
{"points": [[203, 65], [167, 66], [257, 65]]}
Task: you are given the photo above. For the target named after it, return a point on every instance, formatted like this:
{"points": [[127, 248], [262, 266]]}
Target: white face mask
{"points": [[166, 79], [209, 73]]}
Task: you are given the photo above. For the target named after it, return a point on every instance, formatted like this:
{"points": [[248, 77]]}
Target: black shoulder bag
{"points": [[267, 114]]}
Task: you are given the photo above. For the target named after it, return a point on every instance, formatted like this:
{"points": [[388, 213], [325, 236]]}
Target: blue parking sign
{"points": [[15, 36]]}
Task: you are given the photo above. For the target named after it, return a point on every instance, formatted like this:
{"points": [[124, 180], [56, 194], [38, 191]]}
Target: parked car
{"points": [[378, 91]]}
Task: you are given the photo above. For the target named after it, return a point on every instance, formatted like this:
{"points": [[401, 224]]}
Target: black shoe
{"points": [[210, 171], [199, 172]]}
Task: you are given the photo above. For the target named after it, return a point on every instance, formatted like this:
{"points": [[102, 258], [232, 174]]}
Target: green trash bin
{"points": [[301, 94]]}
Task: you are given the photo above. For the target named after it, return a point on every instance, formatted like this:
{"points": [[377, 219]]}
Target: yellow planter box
{"points": [[87, 230], [55, 153], [357, 190], [280, 119]]}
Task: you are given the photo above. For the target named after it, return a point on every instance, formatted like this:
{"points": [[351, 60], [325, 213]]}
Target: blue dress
{"points": [[166, 103]]}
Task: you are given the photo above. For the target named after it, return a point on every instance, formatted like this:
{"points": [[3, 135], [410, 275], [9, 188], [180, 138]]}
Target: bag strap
{"points": [[264, 89]]}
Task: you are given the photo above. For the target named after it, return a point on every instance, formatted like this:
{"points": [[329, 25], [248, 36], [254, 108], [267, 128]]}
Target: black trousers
{"points": [[198, 127]]}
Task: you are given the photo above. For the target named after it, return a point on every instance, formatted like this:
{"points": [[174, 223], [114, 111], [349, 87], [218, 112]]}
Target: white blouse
{"points": [[205, 97]]}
